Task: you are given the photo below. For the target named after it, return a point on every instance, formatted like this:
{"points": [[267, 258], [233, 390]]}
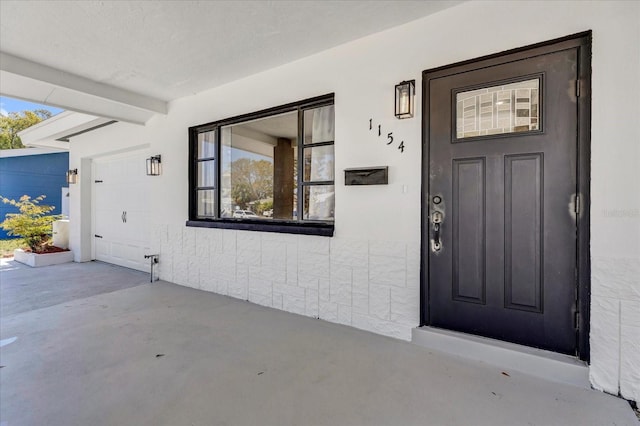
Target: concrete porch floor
{"points": [[99, 345]]}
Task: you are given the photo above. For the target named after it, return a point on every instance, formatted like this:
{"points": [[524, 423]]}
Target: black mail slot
{"points": [[367, 176]]}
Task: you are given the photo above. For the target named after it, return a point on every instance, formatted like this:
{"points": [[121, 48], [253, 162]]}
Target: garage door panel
{"points": [[101, 203], [138, 197], [124, 188], [139, 226], [108, 196], [118, 251], [136, 255], [115, 196], [101, 170], [117, 172], [102, 249], [136, 168], [130, 252], [110, 225]]}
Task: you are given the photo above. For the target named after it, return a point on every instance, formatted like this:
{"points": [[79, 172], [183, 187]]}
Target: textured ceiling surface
{"points": [[170, 49]]}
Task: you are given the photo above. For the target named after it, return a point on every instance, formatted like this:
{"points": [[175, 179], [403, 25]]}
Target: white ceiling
{"points": [[141, 54]]}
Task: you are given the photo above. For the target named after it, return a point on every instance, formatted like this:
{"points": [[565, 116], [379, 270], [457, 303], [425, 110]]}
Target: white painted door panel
{"points": [[121, 211]]}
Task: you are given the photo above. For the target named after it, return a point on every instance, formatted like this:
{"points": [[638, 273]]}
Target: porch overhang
{"points": [[56, 131], [24, 79]]}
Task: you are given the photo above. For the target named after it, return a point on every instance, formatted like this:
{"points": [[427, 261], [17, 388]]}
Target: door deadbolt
{"points": [[437, 199]]}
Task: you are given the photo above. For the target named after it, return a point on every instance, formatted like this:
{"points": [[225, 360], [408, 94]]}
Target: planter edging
{"points": [[36, 260]]}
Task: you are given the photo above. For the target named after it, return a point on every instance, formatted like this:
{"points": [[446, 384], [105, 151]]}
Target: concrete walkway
{"points": [[132, 353]]}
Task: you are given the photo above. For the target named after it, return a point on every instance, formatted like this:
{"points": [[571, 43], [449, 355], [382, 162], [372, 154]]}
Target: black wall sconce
{"points": [[154, 165], [72, 176], [405, 94]]}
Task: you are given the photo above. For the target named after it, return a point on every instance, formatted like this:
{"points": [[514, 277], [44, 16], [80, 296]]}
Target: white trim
{"points": [[48, 132]]}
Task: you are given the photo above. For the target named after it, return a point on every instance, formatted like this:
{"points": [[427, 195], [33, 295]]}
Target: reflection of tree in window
{"points": [[251, 181]]}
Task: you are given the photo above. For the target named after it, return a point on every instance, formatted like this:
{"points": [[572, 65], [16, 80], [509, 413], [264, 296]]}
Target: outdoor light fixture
{"points": [[405, 92], [72, 176], [153, 165]]}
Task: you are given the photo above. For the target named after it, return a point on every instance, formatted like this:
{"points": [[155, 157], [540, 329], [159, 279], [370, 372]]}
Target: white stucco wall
{"points": [[367, 275]]}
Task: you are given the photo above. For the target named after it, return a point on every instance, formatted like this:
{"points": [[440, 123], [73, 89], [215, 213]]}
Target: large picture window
{"points": [[271, 170]]}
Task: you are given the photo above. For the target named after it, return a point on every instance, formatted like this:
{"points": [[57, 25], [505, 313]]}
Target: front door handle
{"points": [[436, 242]]}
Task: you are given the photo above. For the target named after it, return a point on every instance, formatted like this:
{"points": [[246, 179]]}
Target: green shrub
{"points": [[8, 246], [33, 223]]}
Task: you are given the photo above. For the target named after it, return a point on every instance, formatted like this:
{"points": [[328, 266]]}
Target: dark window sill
{"points": [[282, 227]]}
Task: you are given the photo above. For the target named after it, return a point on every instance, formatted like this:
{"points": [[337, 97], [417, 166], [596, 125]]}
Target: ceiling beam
{"points": [[24, 79]]}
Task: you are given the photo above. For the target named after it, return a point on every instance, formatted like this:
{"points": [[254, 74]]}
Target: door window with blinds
{"points": [[498, 109], [273, 170]]}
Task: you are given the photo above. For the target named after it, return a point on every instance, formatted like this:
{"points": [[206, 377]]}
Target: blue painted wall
{"points": [[32, 175]]}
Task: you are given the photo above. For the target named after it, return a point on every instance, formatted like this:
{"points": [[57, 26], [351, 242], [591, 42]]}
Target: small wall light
{"points": [[154, 165], [405, 93], [72, 176]]}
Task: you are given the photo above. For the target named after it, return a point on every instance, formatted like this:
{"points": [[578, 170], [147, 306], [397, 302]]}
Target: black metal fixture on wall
{"points": [[405, 94], [154, 165], [367, 176], [72, 176]]}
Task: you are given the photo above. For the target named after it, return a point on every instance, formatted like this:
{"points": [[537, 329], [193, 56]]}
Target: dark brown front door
{"points": [[502, 142]]}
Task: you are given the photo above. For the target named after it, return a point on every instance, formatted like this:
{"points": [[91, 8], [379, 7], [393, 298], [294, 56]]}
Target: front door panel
{"points": [[502, 176]]}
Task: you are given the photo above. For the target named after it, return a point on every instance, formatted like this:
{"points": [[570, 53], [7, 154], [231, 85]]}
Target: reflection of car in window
{"points": [[244, 214]]}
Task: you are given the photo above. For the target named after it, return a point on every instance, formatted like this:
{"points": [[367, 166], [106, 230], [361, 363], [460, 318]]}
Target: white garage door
{"points": [[122, 211]]}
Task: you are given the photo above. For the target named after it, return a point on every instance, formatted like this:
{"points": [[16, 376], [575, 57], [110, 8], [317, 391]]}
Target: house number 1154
{"points": [[389, 135]]}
